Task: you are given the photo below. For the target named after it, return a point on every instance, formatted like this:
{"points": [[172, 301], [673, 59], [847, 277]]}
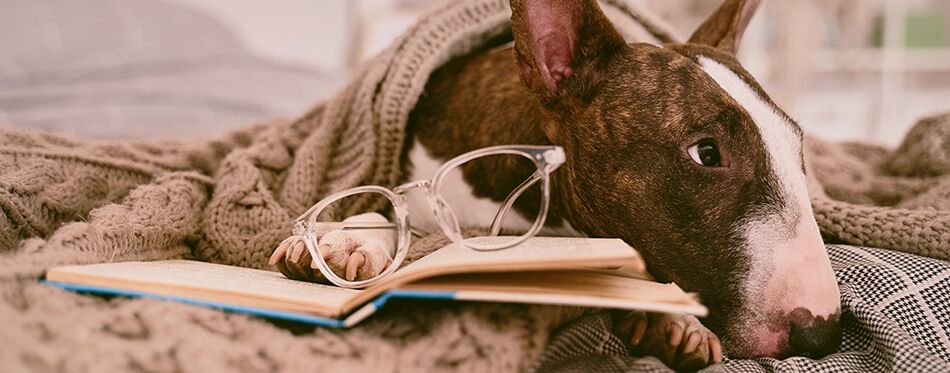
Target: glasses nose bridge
{"points": [[425, 185]]}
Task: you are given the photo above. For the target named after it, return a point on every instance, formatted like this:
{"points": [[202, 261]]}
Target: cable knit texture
{"points": [[230, 200], [897, 199]]}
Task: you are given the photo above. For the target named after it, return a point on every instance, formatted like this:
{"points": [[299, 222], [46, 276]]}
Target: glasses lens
{"points": [[507, 190], [356, 246]]}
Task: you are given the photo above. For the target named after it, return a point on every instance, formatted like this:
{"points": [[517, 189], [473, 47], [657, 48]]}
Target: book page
{"points": [[537, 253], [579, 288], [213, 282], [599, 284]]}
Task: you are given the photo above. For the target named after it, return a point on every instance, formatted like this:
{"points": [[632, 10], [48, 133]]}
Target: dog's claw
{"points": [[692, 341], [280, 251], [353, 264], [639, 329], [715, 348], [299, 248], [675, 335]]}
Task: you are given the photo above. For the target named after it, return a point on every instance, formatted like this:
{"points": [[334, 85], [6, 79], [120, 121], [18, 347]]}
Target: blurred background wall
{"points": [[845, 69]]}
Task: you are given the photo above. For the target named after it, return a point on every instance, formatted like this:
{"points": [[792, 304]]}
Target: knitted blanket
{"points": [[897, 199], [229, 200]]}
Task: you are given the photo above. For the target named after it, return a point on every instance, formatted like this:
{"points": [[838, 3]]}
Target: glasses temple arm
{"points": [[359, 226], [510, 201]]}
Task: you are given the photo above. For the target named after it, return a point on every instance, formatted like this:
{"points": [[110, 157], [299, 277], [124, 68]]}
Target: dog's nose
{"points": [[813, 336]]}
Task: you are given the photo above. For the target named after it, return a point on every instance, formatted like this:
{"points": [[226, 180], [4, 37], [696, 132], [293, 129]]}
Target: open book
{"points": [[591, 272]]}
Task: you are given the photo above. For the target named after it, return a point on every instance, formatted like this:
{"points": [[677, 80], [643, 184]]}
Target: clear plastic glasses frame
{"points": [[546, 158]]}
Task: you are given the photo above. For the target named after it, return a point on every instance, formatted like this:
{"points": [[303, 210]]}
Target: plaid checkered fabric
{"points": [[896, 317]]}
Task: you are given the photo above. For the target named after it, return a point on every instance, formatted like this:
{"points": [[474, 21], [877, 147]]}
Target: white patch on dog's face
{"points": [[789, 266]]}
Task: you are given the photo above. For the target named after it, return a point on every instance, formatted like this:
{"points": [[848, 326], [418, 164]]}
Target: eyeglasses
{"points": [[525, 187]]}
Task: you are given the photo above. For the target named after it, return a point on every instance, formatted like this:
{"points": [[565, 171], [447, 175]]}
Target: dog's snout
{"points": [[813, 336]]}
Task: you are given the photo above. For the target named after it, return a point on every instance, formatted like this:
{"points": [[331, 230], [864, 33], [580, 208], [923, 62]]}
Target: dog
{"points": [[674, 148]]}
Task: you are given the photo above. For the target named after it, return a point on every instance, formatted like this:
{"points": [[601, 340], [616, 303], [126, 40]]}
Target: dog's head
{"points": [[678, 150]]}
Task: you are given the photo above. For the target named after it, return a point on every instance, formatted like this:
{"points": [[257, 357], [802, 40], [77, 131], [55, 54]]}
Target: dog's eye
{"points": [[705, 153]]}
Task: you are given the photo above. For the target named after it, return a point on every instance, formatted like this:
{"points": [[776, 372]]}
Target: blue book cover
{"points": [[352, 319]]}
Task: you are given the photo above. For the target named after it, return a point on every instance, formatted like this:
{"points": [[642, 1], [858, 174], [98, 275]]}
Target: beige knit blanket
{"points": [[897, 199], [230, 200]]}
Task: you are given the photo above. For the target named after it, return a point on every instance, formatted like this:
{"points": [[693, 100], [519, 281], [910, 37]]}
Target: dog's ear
{"points": [[724, 28], [562, 47]]}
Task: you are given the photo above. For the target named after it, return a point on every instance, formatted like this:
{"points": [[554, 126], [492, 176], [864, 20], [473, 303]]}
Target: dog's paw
{"points": [[355, 256], [680, 341], [352, 255], [293, 260]]}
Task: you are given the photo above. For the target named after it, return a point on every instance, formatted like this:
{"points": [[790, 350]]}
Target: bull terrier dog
{"points": [[676, 149]]}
